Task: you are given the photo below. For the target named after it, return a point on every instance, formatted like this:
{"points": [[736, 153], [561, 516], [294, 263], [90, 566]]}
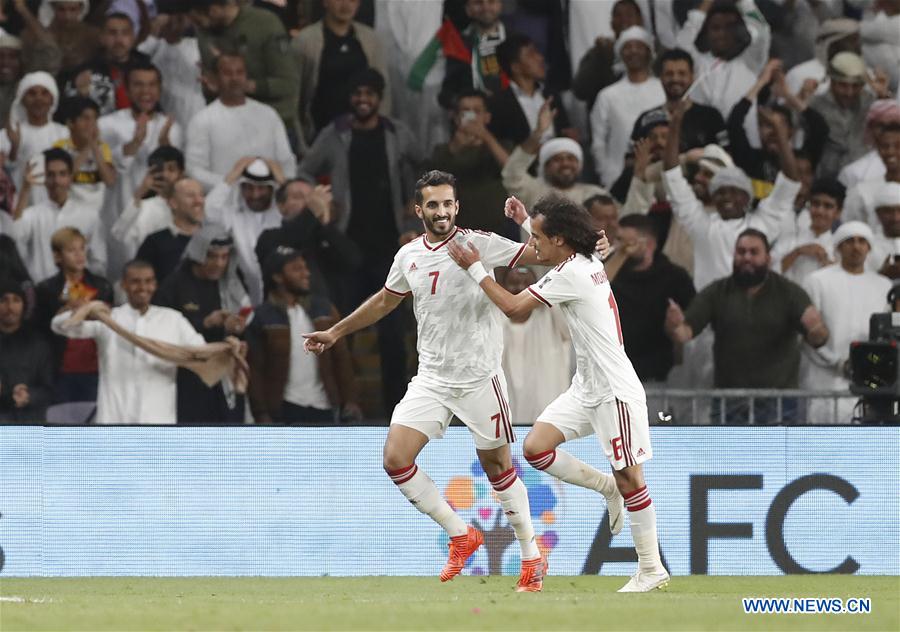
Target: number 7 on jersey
{"points": [[434, 277]]}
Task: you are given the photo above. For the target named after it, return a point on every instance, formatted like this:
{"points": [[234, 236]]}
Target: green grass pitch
{"points": [[407, 603]]}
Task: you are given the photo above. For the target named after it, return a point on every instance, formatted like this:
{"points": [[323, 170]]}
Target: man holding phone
{"points": [[475, 155], [147, 210]]}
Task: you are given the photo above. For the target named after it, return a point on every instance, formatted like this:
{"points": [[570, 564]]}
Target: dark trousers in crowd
{"points": [[294, 414], [765, 411], [200, 404], [75, 387]]}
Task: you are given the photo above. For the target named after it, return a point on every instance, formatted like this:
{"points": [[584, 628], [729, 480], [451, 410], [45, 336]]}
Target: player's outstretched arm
{"points": [[374, 309], [513, 305]]}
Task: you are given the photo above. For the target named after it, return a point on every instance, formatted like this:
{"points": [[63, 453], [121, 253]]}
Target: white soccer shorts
{"points": [[484, 410], [621, 427]]}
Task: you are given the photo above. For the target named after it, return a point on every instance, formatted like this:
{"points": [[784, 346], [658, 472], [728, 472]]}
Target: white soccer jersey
{"points": [[603, 372], [460, 338]]}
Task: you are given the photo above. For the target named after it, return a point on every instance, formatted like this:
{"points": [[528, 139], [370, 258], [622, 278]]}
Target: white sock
{"points": [[642, 516], [514, 501], [567, 468], [424, 495]]}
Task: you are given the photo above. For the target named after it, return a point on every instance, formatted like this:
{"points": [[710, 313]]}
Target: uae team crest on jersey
{"points": [[472, 498]]}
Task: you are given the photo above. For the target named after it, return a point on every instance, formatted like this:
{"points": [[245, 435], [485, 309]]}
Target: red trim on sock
{"points": [[403, 475], [634, 493], [641, 506], [503, 480], [402, 470], [537, 458]]}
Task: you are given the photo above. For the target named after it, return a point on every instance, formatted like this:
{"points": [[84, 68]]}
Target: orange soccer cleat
{"points": [[461, 549], [532, 577]]}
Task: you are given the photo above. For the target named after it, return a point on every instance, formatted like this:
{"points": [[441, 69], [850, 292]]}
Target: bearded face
{"points": [[751, 261]]}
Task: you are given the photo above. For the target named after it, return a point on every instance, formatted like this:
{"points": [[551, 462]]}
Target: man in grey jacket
{"points": [[371, 161]]}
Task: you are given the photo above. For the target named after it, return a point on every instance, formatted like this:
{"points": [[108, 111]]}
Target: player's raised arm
{"points": [[513, 305], [516, 211], [370, 312]]}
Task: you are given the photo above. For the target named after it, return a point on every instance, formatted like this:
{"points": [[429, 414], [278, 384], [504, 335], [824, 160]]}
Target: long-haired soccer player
{"points": [[606, 397], [460, 345]]}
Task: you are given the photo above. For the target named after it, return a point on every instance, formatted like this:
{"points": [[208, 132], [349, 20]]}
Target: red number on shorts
{"points": [[618, 453], [615, 311], [496, 420], [434, 283]]}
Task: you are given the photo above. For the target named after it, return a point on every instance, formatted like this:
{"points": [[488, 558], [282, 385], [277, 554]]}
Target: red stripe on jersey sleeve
{"points": [[539, 297], [518, 256], [396, 293]]}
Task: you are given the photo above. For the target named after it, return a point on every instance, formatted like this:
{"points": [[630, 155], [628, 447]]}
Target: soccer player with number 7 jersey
{"points": [[606, 397], [460, 346]]}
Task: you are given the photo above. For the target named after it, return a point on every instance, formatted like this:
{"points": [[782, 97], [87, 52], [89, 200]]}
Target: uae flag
{"points": [[448, 41]]}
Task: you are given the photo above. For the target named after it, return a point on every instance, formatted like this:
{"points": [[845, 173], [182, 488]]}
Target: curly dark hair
{"points": [[434, 178], [564, 218]]}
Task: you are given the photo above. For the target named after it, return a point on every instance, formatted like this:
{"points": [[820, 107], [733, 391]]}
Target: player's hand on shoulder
{"points": [[464, 256]]}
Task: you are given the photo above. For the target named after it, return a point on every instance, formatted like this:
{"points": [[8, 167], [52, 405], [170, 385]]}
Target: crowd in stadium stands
{"points": [[218, 168]]}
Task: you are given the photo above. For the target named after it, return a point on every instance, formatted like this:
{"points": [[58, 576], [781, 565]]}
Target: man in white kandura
{"points": [[135, 387], [606, 397], [460, 345]]}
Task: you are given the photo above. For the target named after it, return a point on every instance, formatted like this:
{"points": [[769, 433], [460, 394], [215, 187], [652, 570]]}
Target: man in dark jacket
{"points": [[206, 288], [25, 366], [288, 385], [515, 109], [643, 287]]}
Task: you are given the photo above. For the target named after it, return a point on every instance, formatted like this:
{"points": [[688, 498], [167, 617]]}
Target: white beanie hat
{"points": [[559, 145], [32, 79], [731, 177], [633, 34], [887, 194], [852, 229]]}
